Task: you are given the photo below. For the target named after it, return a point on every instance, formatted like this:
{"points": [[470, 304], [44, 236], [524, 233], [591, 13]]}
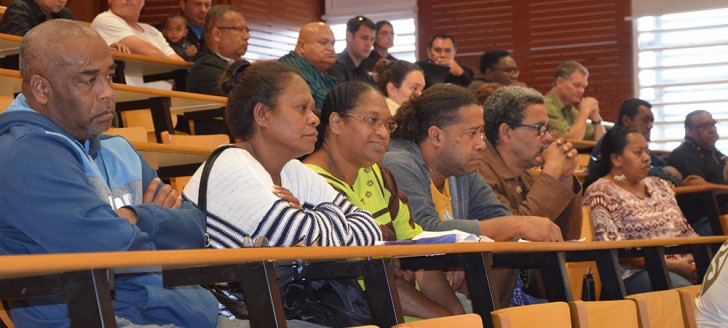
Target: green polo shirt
{"points": [[562, 117]]}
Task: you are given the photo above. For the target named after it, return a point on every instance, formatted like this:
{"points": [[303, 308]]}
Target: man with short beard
{"points": [[518, 140]]}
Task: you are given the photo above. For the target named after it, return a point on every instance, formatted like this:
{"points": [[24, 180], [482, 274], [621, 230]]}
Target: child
{"points": [[175, 29]]}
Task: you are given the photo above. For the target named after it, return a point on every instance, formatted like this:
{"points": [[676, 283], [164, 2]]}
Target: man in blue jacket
{"points": [[65, 188]]}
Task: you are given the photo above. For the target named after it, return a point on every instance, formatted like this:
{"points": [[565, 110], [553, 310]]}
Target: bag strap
{"points": [[202, 191]]}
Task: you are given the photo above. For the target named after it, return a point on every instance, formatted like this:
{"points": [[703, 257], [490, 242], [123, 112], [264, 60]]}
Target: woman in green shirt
{"points": [[353, 137]]}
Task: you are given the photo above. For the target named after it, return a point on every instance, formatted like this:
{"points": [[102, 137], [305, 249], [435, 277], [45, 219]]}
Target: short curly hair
{"points": [[437, 106]]}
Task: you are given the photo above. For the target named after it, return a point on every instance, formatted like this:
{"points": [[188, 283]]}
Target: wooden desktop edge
{"points": [[123, 56], [28, 265], [173, 149]]}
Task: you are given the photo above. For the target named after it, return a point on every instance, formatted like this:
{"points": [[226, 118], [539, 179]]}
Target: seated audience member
{"points": [[441, 51], [628, 204], [637, 114], [399, 81], [353, 64], [519, 140], [174, 29], [226, 40], [434, 156], [710, 304], [22, 15], [120, 24], [270, 114], [383, 41], [696, 158], [313, 56], [496, 66], [94, 193], [195, 11], [568, 110], [353, 136]]}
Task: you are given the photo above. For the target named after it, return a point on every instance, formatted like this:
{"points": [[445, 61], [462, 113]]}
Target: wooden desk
{"points": [[9, 44], [151, 69], [702, 201], [172, 161], [148, 68], [94, 268], [162, 103]]}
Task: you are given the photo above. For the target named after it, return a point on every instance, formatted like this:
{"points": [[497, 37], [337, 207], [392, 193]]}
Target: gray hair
{"points": [[506, 105], [567, 68]]}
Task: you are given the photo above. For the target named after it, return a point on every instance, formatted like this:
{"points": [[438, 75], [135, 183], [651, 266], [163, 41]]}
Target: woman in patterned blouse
{"points": [[627, 204]]}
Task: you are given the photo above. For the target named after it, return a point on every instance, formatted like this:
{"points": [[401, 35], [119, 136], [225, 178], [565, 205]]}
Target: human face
{"points": [[293, 123], [176, 29], [49, 7], [195, 10], [367, 141], [526, 145], [462, 143], [232, 42], [634, 161], [412, 86], [318, 48], [127, 9], [81, 96], [703, 131], [385, 37], [571, 89], [505, 72], [441, 49], [642, 121], [359, 44]]}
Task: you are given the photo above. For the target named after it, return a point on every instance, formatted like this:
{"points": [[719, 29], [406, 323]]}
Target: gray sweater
{"points": [[472, 198]]}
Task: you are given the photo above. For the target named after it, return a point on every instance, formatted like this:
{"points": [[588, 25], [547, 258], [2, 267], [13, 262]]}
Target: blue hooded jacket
{"points": [[58, 195]]}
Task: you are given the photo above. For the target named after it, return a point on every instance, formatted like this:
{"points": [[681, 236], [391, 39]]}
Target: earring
{"points": [[619, 178]]}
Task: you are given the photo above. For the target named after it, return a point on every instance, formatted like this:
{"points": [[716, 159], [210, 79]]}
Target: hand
{"points": [[456, 278], [118, 47], [674, 172], [388, 233], [166, 196], [406, 275], [455, 68], [286, 194], [683, 268], [128, 214], [559, 159], [590, 105], [191, 51], [536, 228]]}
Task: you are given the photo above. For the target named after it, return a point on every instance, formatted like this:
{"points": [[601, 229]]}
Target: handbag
{"points": [[328, 302]]}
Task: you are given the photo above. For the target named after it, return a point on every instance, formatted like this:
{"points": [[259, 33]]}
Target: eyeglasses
{"points": [[706, 125], [540, 127], [509, 70], [374, 122], [241, 29]]}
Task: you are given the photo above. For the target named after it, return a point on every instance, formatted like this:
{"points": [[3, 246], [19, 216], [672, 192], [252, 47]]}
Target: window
{"points": [[682, 66]]}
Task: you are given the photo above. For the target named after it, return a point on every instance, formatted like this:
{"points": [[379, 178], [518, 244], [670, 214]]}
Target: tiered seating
{"points": [[547, 315], [603, 314], [660, 309]]}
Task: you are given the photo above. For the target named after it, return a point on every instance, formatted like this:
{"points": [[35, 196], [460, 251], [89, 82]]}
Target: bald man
{"points": [[313, 56], [66, 188]]}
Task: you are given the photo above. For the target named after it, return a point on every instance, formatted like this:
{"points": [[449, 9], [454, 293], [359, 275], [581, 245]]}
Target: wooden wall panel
{"points": [[541, 34]]}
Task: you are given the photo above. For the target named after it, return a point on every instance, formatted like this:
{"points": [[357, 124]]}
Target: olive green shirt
{"points": [[562, 117]]}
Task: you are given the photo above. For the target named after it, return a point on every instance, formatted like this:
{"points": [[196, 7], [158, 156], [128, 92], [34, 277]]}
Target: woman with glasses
{"points": [[258, 188], [353, 137], [399, 81], [627, 204], [383, 41]]}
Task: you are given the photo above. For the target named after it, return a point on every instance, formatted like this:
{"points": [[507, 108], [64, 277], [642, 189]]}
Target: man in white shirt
{"points": [[120, 24]]}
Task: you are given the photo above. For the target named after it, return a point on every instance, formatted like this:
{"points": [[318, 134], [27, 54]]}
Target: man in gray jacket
{"points": [[434, 155]]}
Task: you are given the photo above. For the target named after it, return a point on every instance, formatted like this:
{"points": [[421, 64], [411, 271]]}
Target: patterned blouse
{"points": [[620, 215]]}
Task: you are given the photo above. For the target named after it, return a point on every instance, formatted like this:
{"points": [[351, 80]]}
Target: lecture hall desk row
{"points": [[162, 103], [86, 278]]}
